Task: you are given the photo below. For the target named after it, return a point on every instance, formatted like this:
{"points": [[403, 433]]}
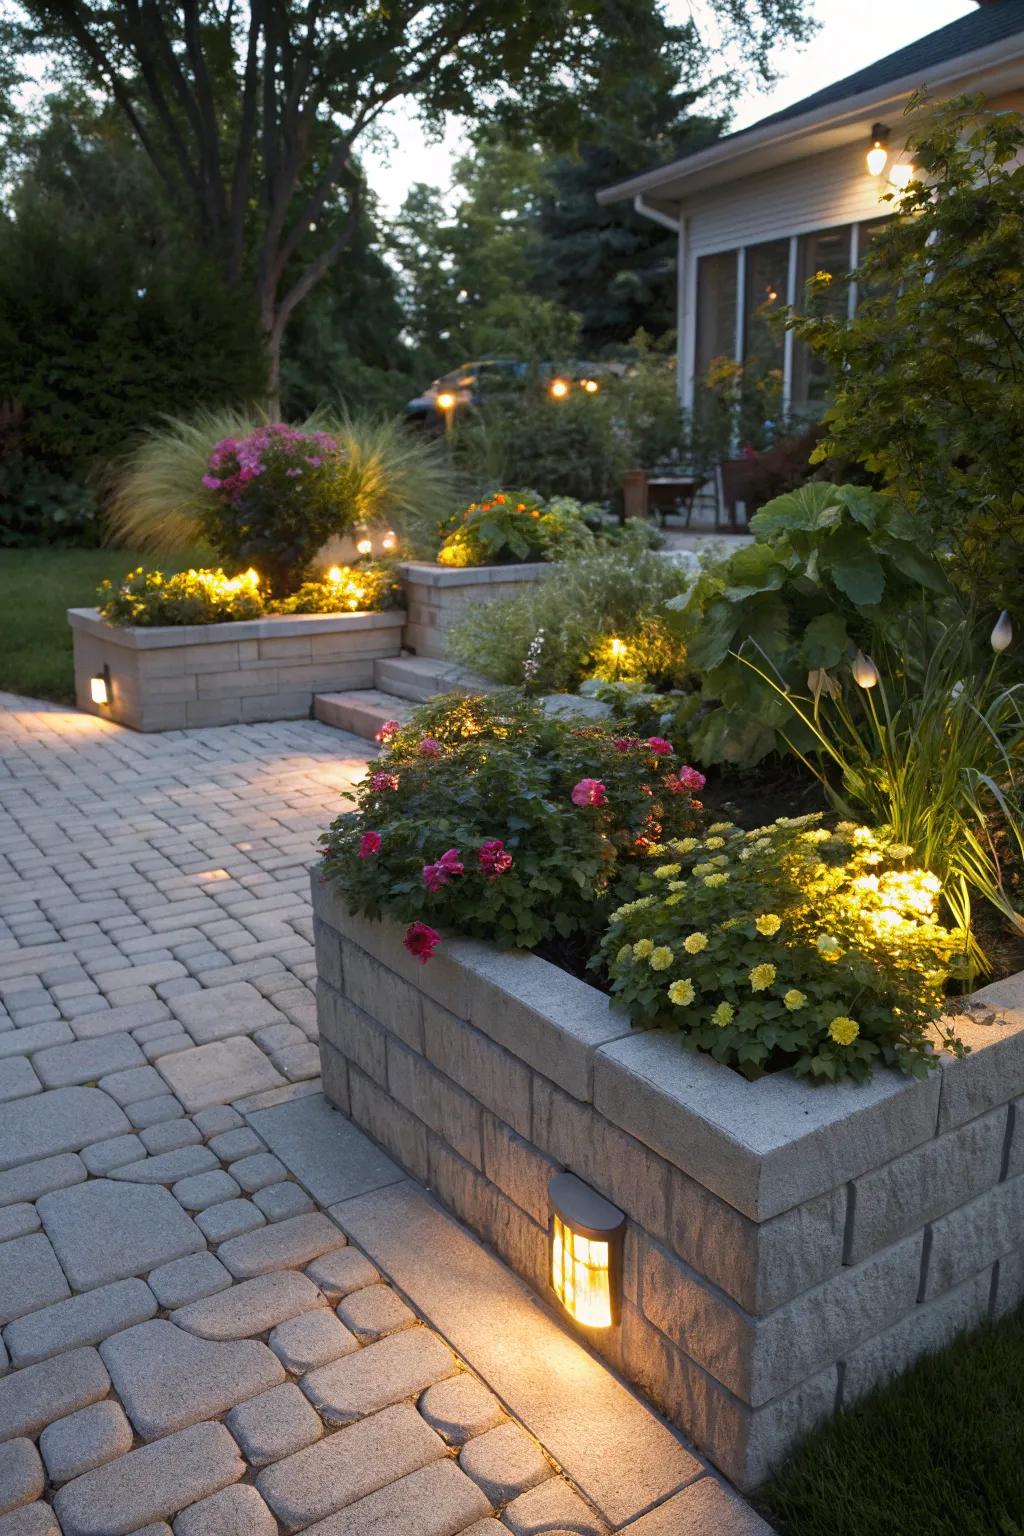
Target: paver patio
{"points": [[189, 1337]]}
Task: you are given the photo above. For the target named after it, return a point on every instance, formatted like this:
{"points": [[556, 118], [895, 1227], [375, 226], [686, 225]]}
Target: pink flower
{"points": [[383, 781], [625, 743], [672, 786], [494, 858], [211, 482], [437, 875], [659, 746], [691, 779], [429, 747], [588, 792], [389, 729], [421, 941], [369, 844]]}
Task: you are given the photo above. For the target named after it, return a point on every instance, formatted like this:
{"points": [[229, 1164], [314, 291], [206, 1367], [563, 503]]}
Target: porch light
{"points": [[558, 389], [878, 154], [586, 1252], [99, 686]]}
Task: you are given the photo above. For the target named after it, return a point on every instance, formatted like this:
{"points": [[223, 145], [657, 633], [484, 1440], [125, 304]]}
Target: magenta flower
{"points": [[383, 781], [369, 844], [691, 779], [588, 792], [388, 730], [494, 858], [429, 747], [437, 875], [421, 940], [625, 743], [659, 746]]}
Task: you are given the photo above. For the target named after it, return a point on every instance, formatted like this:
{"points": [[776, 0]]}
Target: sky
{"points": [[852, 34]]}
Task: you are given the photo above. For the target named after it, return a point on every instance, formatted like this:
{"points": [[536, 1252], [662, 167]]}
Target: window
{"points": [[716, 309], [826, 250], [764, 294]]}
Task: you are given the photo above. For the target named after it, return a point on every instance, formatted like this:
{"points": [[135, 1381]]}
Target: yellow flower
{"points": [[682, 993], [714, 842], [642, 948], [685, 845], [761, 977], [715, 880], [828, 947], [721, 826], [624, 953], [723, 1015], [794, 999], [674, 899], [667, 871], [844, 1031], [703, 869], [661, 959], [677, 885], [768, 924], [695, 942]]}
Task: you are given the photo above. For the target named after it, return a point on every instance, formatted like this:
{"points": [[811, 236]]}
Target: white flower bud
{"points": [[1002, 634], [865, 673]]}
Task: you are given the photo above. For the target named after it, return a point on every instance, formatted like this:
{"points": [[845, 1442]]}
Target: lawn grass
{"points": [[940, 1452], [36, 586]]}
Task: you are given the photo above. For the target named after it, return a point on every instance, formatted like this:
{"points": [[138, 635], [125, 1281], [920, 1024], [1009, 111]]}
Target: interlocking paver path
{"points": [[188, 1338]]}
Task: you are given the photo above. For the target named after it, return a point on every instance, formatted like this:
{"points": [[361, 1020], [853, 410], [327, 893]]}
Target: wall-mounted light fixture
{"points": [[586, 1252], [878, 154], [99, 686]]}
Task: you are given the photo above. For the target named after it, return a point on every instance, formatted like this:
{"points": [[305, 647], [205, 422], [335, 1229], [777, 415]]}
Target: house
{"points": [[761, 210]]}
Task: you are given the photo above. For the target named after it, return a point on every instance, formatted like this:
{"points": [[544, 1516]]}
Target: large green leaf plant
{"points": [[830, 569]]}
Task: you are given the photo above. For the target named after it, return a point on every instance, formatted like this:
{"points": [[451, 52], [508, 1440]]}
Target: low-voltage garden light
{"points": [[389, 541], [99, 686], [558, 389], [586, 1236], [589, 386]]}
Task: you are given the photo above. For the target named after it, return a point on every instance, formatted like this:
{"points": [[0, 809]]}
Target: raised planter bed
{"points": [[436, 597], [787, 1247], [164, 679]]}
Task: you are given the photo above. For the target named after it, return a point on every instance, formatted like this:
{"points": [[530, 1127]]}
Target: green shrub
{"points": [[491, 818], [391, 475], [39, 507], [569, 447], [511, 526], [786, 946], [831, 569], [564, 625], [148, 598]]}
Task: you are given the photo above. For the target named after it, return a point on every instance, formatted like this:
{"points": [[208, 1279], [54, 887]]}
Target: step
{"points": [[361, 712], [419, 678]]}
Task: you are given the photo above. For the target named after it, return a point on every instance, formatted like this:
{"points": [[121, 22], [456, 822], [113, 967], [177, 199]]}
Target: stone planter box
{"points": [[787, 1247], [436, 597], [164, 679]]}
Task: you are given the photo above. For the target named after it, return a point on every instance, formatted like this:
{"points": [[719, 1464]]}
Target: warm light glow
{"points": [[590, 385], [389, 541], [878, 157], [558, 389], [901, 175], [581, 1275], [618, 648], [865, 673], [445, 401], [365, 546], [334, 575], [98, 691]]}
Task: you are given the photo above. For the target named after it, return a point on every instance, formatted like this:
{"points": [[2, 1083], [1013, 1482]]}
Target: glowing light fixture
{"points": [[445, 401], [335, 576], [590, 386], [878, 154], [389, 541], [902, 175], [586, 1252], [99, 686], [865, 673], [365, 546], [558, 389]]}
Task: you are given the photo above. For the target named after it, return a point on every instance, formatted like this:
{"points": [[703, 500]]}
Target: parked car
{"points": [[470, 384]]}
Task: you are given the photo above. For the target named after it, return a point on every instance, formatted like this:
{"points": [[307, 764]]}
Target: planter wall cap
{"points": [[426, 574], [994, 1070], [274, 626], [763, 1146]]}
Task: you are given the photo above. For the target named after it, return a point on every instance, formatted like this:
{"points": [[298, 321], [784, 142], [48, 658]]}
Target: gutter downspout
{"points": [[684, 373]]}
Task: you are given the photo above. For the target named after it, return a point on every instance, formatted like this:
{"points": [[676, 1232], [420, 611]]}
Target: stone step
{"points": [[361, 712], [419, 678]]}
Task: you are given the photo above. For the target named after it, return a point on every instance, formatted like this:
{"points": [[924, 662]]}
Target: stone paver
{"points": [[553, 1506], [156, 981]]}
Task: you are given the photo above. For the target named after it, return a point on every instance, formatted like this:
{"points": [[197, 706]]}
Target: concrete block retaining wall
{"points": [[787, 1248], [167, 678], [436, 597]]}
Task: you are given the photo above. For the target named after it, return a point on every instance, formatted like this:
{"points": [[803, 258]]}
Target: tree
{"points": [[252, 115], [929, 376]]}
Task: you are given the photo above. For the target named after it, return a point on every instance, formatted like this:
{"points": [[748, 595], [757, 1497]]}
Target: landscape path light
{"points": [[99, 686], [586, 1235]]}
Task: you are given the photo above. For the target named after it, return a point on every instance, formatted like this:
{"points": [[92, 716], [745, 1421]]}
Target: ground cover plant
{"points": [[508, 527], [488, 817], [599, 615], [940, 1452], [788, 945]]}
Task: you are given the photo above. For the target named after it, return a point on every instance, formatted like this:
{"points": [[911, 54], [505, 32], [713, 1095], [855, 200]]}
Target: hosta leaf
{"points": [[825, 641], [854, 567], [710, 646]]}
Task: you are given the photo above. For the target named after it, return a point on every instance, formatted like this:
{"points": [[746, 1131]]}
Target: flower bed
{"points": [[165, 678], [787, 1246]]}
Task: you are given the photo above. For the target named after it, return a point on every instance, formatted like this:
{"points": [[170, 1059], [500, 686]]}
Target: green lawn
{"points": [[940, 1452], [36, 586]]}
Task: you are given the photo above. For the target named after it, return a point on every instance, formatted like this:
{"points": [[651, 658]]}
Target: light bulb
{"points": [[865, 673], [389, 541], [878, 157], [334, 575], [1002, 634], [558, 389], [365, 546], [445, 401]]}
